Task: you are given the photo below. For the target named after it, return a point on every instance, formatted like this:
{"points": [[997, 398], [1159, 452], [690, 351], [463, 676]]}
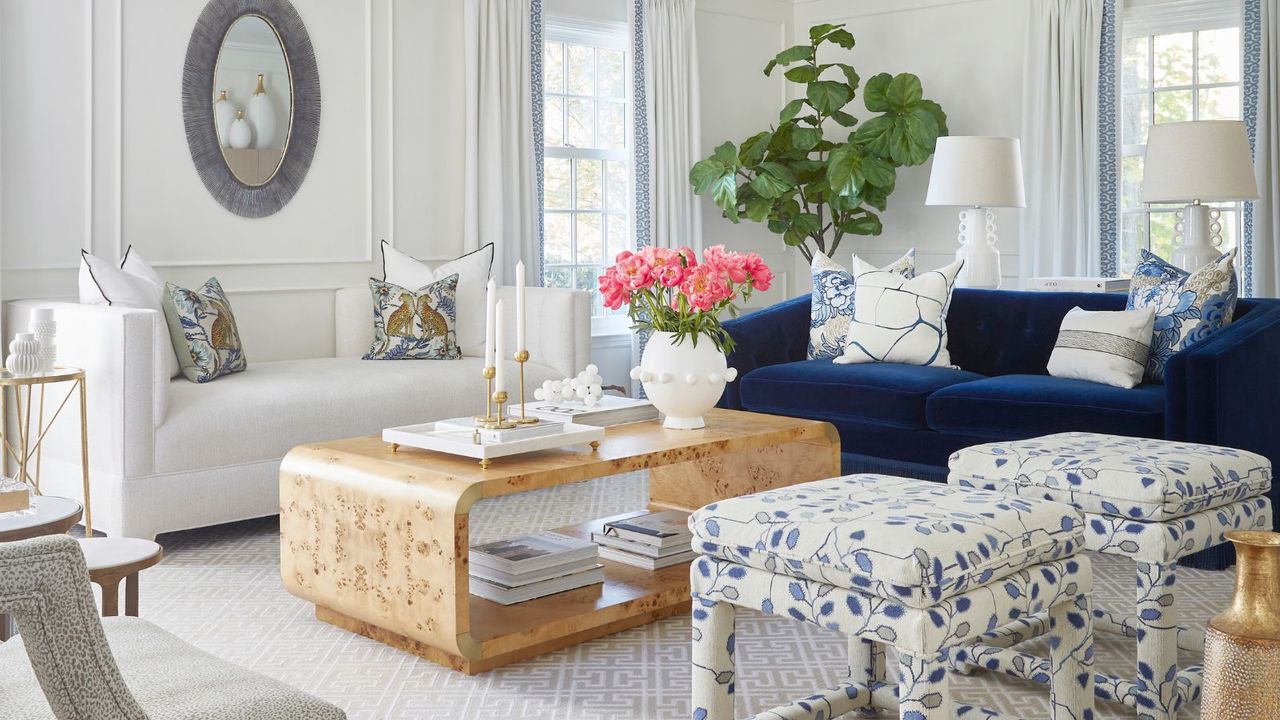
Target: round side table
{"points": [[49, 515], [111, 560]]}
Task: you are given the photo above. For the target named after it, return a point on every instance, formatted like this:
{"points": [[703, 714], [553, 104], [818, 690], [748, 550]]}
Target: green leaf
{"points": [[904, 92], [794, 237], [704, 173], [802, 73], [790, 110], [875, 94], [938, 115], [827, 96], [865, 225], [806, 138], [845, 203], [754, 148], [879, 172], [807, 223], [769, 184], [841, 37], [724, 192], [790, 55], [727, 154], [850, 75], [817, 31], [844, 169], [768, 69], [777, 226], [758, 209], [844, 118], [875, 133]]}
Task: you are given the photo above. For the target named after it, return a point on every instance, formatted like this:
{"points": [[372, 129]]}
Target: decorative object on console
{"points": [[24, 355], [201, 321], [414, 324], [262, 115], [1079, 284], [45, 328], [472, 269], [1198, 162], [240, 136], [15, 496], [586, 388], [832, 305], [135, 284], [678, 300], [901, 320], [476, 439], [1109, 347], [608, 410], [1189, 306], [1242, 644], [977, 173], [224, 113]]}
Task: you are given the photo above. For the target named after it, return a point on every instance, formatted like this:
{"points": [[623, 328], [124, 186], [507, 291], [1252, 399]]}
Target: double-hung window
{"points": [[587, 177], [1177, 65]]}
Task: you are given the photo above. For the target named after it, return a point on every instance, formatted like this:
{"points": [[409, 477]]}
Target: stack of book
{"points": [[530, 566], [608, 410], [653, 540]]}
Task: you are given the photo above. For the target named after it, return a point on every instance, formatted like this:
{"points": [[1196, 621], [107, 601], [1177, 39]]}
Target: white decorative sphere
{"points": [[593, 369], [590, 400], [691, 379], [539, 394], [730, 374], [635, 373], [715, 378], [664, 378]]}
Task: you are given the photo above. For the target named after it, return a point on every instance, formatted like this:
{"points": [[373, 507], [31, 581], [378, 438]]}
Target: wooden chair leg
{"points": [[131, 595], [110, 597]]}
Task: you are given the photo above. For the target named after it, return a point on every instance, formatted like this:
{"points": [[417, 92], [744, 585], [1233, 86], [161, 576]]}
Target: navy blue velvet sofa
{"points": [[907, 420]]}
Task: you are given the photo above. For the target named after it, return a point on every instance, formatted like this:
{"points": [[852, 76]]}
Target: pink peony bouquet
{"points": [[670, 291]]}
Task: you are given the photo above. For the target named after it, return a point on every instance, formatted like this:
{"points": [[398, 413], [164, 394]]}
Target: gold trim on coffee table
{"points": [[378, 540]]}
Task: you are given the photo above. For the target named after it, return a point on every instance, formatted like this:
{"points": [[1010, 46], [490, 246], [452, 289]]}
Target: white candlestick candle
{"points": [[520, 345], [490, 299], [499, 380]]}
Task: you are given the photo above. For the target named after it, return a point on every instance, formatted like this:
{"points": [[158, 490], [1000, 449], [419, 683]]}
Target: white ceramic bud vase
{"points": [[224, 113], [683, 381], [45, 329], [240, 136], [24, 355], [262, 115]]}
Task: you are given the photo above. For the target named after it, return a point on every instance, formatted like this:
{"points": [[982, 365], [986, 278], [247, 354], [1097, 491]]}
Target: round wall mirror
{"points": [[253, 100], [251, 103]]}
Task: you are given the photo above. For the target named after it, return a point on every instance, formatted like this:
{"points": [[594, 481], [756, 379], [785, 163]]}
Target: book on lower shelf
{"points": [[608, 410], [650, 540], [683, 557], [531, 566]]}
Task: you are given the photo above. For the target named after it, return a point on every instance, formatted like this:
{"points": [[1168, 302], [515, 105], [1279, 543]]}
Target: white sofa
{"points": [[172, 454]]}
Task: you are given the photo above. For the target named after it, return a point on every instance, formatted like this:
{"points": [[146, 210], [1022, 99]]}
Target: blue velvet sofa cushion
{"points": [[1022, 406], [888, 394]]}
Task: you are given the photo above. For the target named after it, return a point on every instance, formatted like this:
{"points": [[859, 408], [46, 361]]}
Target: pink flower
{"points": [[730, 264], [690, 259], [704, 286], [761, 274], [612, 292], [670, 275], [634, 271]]}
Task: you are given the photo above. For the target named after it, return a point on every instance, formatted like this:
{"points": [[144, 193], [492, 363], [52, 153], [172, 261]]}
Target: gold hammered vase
{"points": [[1242, 645]]}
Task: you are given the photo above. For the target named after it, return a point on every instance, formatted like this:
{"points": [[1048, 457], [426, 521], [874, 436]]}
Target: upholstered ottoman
{"points": [[1151, 500], [922, 567]]}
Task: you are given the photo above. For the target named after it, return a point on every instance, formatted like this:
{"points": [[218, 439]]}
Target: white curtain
{"points": [[501, 191], [1059, 230], [1266, 211], [671, 91]]}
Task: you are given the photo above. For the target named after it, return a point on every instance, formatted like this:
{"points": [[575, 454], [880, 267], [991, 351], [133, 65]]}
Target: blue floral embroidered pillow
{"points": [[832, 305], [203, 331], [415, 324], [1189, 307]]}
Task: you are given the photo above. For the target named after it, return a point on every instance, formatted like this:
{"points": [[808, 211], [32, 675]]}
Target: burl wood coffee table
{"points": [[378, 539]]}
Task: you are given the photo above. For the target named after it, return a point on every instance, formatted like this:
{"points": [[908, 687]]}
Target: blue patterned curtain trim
{"points": [[640, 140], [535, 90], [1251, 29], [1108, 143]]}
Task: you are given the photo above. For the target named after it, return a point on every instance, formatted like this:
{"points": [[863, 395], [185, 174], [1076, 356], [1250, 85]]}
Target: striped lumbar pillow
{"points": [[1103, 347]]}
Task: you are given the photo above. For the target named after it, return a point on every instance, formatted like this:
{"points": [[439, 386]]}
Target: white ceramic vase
{"points": [[240, 136], [262, 116], [45, 329], [683, 381], [224, 113], [24, 355]]}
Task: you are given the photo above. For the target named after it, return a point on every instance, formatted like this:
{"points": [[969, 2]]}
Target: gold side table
{"points": [[24, 450]]}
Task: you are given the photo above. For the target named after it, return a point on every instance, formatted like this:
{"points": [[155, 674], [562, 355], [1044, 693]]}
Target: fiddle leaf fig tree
{"points": [[811, 190]]}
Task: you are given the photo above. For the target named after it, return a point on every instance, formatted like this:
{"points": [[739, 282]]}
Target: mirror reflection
{"points": [[253, 99]]}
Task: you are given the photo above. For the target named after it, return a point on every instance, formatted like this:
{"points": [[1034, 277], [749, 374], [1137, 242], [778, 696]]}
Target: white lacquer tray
{"points": [[455, 442]]}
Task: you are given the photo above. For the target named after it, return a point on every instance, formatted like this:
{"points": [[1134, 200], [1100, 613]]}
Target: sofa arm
{"points": [[771, 336], [1223, 391], [557, 327], [126, 385]]}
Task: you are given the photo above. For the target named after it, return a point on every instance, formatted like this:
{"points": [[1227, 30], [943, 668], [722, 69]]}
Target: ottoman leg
{"points": [[1071, 660], [922, 688], [1157, 641], [713, 661], [866, 662]]}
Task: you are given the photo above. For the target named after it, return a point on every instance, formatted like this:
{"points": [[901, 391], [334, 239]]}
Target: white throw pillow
{"points": [[1103, 347], [831, 306], [135, 284], [472, 270], [901, 320]]}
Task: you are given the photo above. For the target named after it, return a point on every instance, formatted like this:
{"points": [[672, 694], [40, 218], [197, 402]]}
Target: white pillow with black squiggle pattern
{"points": [[832, 304], [901, 320]]}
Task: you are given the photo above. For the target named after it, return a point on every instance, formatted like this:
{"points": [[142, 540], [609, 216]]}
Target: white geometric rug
{"points": [[219, 588]]}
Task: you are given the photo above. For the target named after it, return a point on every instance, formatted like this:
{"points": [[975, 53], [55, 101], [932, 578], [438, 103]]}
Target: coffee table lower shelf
{"points": [[505, 634]]}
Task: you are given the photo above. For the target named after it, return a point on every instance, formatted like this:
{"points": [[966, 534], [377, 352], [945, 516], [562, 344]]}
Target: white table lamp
{"points": [[1195, 163], [977, 173]]}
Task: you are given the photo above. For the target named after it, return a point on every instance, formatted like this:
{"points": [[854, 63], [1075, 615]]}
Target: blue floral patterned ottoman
{"points": [[922, 567], [1155, 501]]}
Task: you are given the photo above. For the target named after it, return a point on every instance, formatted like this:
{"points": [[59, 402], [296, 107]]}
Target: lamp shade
{"points": [[1208, 160], [977, 172]]}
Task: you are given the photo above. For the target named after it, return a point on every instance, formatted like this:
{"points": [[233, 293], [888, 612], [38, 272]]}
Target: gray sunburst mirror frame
{"points": [[253, 201]]}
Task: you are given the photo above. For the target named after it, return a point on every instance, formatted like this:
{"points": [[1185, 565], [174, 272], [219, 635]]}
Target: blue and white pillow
{"points": [[1189, 307], [832, 305], [900, 320], [415, 324]]}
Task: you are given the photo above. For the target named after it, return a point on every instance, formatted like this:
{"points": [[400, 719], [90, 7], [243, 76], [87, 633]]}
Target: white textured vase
{"points": [[683, 381], [262, 115], [24, 355], [45, 329], [240, 136], [224, 113]]}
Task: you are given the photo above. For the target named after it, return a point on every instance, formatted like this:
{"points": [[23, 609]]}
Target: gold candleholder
{"points": [[489, 373], [522, 357], [500, 422]]}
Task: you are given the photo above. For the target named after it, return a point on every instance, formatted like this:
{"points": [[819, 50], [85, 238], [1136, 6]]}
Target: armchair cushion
{"points": [[885, 393]]}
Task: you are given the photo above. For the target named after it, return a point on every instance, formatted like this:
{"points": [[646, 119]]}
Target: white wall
{"points": [[95, 157], [969, 56]]}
